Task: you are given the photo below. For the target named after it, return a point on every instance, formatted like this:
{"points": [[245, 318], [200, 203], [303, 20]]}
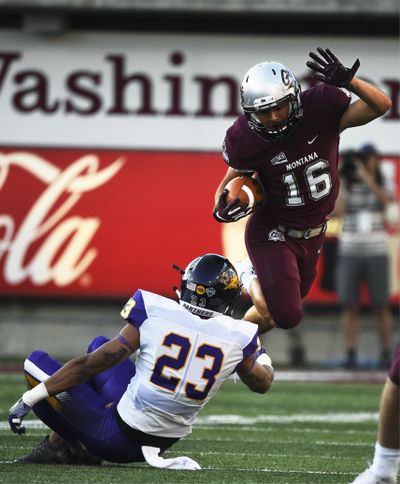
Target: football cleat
{"points": [[46, 453], [369, 477]]}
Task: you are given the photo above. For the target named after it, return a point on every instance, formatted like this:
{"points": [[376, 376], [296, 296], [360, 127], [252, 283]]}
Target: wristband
{"points": [[36, 394], [264, 359]]}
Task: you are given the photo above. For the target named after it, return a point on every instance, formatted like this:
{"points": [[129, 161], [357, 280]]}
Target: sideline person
{"points": [[363, 252], [290, 141], [102, 405], [385, 466]]}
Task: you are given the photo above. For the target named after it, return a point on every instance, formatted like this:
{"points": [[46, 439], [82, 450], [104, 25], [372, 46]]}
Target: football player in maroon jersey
{"points": [[290, 140]]}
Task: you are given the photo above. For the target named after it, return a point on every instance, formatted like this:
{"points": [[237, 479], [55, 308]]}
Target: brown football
{"points": [[247, 189]]}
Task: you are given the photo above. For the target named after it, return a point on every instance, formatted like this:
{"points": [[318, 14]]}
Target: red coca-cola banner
{"points": [[92, 223], [106, 222]]}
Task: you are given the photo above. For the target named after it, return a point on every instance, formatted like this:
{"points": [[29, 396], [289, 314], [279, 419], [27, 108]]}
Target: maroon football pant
{"points": [[285, 267]]}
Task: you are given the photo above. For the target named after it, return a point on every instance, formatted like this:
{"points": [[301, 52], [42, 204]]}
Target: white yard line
{"points": [[353, 417], [291, 429], [212, 420], [336, 376]]}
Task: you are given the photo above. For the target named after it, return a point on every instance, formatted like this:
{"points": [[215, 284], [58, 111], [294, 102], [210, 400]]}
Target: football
{"points": [[247, 189]]}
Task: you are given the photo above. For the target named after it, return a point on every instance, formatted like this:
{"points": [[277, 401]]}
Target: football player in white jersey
{"points": [[102, 405]]}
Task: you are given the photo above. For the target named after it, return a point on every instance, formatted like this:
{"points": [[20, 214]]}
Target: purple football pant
{"points": [[285, 269], [80, 414], [395, 366]]}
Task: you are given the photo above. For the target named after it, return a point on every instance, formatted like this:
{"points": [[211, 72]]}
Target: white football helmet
{"points": [[267, 85]]}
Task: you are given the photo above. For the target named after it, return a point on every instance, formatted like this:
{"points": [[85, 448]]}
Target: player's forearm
{"points": [[375, 99], [82, 368], [74, 372]]}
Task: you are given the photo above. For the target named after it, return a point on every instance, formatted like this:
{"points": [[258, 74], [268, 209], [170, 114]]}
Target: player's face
{"points": [[276, 115]]}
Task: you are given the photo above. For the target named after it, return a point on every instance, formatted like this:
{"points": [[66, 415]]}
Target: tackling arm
{"points": [[76, 371], [80, 369]]}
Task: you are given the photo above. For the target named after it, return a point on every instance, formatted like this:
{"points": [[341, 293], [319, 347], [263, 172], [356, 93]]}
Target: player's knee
{"points": [[287, 317], [37, 357], [96, 343]]}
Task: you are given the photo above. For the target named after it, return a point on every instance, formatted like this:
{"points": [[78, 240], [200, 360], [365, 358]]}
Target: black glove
{"points": [[330, 70], [15, 416], [229, 212]]}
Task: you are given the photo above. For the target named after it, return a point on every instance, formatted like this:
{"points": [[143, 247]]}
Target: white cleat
{"points": [[369, 477]]}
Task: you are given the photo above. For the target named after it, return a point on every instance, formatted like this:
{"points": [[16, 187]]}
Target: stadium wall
{"points": [[112, 142]]}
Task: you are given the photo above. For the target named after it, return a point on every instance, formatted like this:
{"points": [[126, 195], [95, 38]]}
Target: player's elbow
{"points": [[387, 105], [384, 105], [264, 384], [263, 388]]}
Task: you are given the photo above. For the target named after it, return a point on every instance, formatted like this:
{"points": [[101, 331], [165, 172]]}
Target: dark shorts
{"points": [[352, 271], [395, 366], [285, 267], [87, 413]]}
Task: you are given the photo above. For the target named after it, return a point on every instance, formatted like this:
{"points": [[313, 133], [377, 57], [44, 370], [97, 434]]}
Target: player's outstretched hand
{"points": [[330, 70], [16, 414], [229, 212]]}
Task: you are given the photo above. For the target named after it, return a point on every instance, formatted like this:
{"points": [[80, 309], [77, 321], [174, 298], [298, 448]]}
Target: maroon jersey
{"points": [[299, 173]]}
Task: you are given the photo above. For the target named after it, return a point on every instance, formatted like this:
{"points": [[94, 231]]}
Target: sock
{"points": [[386, 461], [246, 280]]}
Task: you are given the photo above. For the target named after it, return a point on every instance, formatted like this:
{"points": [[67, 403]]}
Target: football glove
{"points": [[16, 414], [330, 70], [229, 212]]}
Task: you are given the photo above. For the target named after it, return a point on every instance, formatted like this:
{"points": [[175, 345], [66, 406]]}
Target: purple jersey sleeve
{"points": [[134, 310], [299, 173], [250, 349]]}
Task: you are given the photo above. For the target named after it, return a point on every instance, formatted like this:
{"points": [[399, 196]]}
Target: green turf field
{"points": [[297, 433]]}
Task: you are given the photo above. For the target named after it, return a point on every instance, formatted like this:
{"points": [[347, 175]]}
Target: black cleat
{"points": [[45, 453], [86, 458]]}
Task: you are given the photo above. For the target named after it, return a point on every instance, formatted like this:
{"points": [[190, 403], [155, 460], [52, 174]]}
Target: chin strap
{"points": [[151, 454], [177, 268]]}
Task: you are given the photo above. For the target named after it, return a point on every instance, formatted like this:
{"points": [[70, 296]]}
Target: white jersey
{"points": [[183, 360]]}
